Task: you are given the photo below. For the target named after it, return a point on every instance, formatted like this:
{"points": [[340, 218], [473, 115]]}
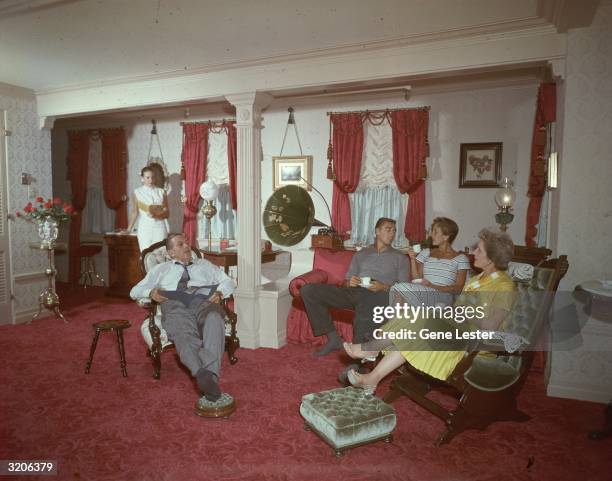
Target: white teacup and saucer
{"points": [[366, 281]]}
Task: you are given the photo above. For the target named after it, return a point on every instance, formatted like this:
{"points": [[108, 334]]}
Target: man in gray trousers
{"points": [[379, 263], [189, 292]]}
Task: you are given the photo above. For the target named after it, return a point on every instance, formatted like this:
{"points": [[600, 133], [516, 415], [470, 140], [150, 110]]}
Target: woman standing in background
{"points": [[150, 207]]}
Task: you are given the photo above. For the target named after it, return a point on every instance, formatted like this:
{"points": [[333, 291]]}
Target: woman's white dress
{"points": [[149, 230], [442, 272]]}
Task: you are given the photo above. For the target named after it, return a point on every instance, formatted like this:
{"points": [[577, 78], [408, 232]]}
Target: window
{"points": [[377, 194]]}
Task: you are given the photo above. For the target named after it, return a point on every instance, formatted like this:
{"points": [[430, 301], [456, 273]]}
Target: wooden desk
{"points": [[229, 258], [123, 269]]}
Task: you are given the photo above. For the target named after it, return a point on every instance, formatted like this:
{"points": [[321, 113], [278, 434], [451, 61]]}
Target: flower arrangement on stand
{"points": [[48, 214]]}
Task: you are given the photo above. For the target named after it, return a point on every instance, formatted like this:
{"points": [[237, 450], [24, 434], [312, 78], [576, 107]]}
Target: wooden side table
{"points": [[117, 325], [123, 264], [229, 258]]}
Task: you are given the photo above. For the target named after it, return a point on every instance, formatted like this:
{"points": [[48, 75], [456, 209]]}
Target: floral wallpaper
{"points": [[29, 150]]}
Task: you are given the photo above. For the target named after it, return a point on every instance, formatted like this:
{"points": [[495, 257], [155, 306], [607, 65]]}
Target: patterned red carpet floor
{"points": [[102, 426]]}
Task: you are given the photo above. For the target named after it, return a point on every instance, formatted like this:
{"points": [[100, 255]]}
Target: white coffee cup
{"points": [[416, 248], [365, 281]]}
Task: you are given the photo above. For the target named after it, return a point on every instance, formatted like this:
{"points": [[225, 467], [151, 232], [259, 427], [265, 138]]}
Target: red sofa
{"points": [[329, 267]]}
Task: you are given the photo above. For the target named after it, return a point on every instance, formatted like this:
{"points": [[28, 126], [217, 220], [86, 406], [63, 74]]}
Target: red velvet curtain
{"points": [[78, 157], [347, 154], [410, 149], [232, 159], [114, 173], [194, 155], [545, 114]]}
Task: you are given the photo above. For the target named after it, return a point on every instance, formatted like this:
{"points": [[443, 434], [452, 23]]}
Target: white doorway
{"points": [[6, 304]]}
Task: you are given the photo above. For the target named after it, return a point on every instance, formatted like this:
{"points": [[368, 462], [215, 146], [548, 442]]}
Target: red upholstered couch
{"points": [[329, 267]]}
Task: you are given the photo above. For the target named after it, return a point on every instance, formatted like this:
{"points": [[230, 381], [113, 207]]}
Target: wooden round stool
{"points": [[117, 325]]}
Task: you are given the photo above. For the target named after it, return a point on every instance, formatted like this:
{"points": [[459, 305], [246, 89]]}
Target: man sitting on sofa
{"points": [[383, 264]]}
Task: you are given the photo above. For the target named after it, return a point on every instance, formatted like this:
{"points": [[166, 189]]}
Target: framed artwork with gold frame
{"points": [[480, 165], [291, 171]]}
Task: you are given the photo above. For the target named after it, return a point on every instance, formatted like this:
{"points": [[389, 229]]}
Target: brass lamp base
{"points": [[209, 210], [503, 219]]}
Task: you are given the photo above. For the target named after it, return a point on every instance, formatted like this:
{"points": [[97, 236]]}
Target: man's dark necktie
{"points": [[182, 284]]}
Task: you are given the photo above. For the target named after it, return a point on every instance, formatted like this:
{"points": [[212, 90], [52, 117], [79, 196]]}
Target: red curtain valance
{"points": [[77, 160]]}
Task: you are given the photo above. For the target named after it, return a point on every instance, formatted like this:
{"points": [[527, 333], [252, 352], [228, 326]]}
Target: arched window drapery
{"points": [[410, 149], [114, 173], [219, 163], [545, 114], [77, 160], [193, 171], [347, 153], [409, 131]]}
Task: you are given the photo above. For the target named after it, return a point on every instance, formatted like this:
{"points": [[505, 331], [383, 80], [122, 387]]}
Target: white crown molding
{"points": [[522, 27], [519, 47]]}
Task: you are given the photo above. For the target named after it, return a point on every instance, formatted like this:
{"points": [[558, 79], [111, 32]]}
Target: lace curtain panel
{"points": [[377, 194], [97, 218], [224, 222]]}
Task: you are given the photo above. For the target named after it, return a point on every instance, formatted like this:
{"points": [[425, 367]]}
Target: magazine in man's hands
{"points": [[193, 292]]}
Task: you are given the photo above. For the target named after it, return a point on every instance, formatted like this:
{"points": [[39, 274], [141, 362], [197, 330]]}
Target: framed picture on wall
{"points": [[292, 171], [480, 165]]}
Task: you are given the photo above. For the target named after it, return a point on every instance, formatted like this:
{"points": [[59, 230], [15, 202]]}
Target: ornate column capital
{"points": [[248, 106]]}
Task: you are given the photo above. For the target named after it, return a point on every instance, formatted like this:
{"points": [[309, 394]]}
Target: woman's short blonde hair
{"points": [[498, 246]]}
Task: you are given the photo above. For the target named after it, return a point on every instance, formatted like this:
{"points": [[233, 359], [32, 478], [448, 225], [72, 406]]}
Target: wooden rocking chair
{"points": [[486, 387]]}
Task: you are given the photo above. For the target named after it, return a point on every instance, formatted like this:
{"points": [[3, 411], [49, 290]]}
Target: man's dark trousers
{"points": [[319, 298]]}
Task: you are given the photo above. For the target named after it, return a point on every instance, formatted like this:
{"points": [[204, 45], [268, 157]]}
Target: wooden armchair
{"points": [[486, 387], [152, 330]]}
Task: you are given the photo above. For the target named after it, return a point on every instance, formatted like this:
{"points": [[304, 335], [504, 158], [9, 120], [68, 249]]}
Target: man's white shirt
{"points": [[166, 277]]}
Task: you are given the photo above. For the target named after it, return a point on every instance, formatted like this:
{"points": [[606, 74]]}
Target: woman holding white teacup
{"points": [[437, 273]]}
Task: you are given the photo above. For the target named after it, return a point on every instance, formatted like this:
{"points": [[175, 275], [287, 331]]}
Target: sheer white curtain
{"points": [[377, 194], [223, 224], [96, 218]]}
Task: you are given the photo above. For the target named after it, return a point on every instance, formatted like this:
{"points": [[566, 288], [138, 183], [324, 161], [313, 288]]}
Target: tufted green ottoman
{"points": [[346, 418]]}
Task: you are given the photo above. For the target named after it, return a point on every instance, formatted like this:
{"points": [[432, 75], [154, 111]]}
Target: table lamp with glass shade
{"points": [[504, 198], [209, 191]]}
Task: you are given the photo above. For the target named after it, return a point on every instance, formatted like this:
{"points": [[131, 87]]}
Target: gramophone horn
{"points": [[288, 215]]}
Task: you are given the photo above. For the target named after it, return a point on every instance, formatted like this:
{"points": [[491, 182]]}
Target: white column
{"points": [[248, 126]]}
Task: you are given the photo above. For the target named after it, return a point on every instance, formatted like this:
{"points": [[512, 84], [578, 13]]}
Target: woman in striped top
{"points": [[442, 270]]}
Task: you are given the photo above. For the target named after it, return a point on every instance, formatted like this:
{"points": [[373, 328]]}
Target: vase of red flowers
{"points": [[49, 214]]}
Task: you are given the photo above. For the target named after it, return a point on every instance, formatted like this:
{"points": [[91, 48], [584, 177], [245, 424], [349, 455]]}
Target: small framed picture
{"points": [[292, 171], [480, 165]]}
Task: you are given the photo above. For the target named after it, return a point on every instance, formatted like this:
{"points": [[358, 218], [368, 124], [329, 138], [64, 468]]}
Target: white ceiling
{"points": [[48, 44]]}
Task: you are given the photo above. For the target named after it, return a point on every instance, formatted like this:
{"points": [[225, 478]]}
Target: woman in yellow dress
{"points": [[490, 295]]}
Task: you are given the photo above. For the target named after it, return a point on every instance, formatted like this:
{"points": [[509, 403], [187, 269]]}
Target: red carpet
{"points": [[102, 426]]}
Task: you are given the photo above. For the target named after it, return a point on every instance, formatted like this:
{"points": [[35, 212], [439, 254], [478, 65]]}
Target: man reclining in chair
{"points": [[382, 264], [189, 293]]}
